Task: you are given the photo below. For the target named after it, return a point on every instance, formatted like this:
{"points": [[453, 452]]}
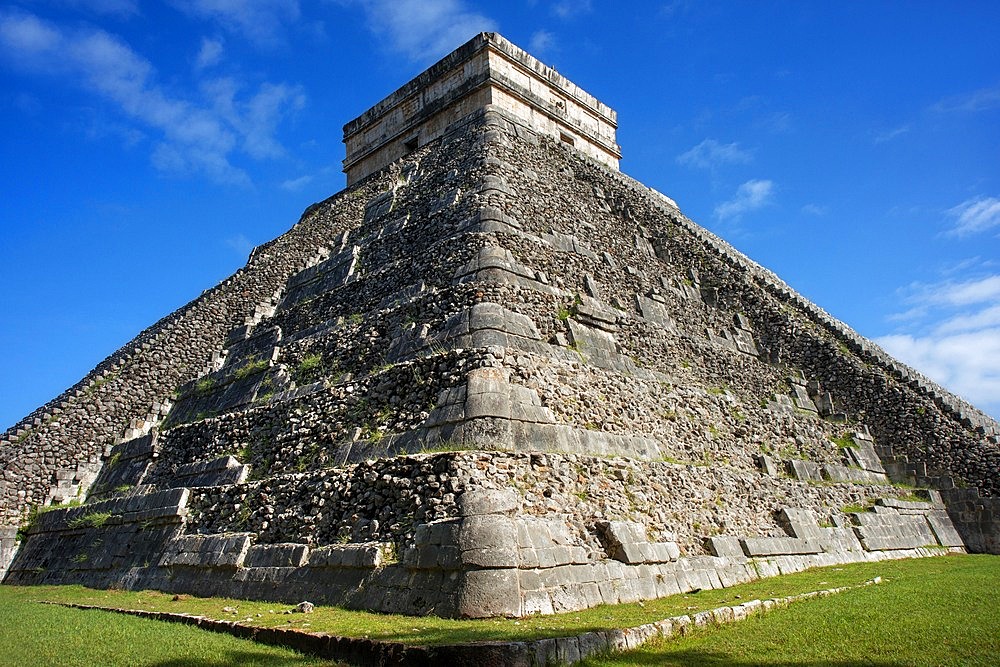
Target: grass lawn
{"points": [[931, 611], [41, 634], [935, 611]]}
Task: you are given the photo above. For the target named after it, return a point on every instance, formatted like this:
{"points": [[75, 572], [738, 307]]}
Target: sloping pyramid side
{"points": [[497, 378]]}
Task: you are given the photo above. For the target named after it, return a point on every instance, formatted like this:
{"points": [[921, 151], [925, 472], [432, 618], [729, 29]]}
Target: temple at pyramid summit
{"points": [[494, 376]]}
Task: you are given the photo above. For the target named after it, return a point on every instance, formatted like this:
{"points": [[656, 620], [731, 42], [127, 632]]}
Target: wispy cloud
{"points": [[260, 21], [541, 42], [424, 29], [975, 215], [296, 184], [210, 53], [967, 363], [951, 332], [710, 154], [750, 196], [565, 9], [954, 293], [889, 135], [983, 99], [194, 136], [256, 117], [240, 243], [815, 209]]}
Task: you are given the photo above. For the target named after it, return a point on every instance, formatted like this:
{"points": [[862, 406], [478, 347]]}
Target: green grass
{"points": [[933, 611], [254, 366], [433, 630], [40, 634]]}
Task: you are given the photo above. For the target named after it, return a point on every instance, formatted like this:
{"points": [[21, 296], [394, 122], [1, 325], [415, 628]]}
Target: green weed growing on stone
{"points": [[254, 366], [309, 365], [844, 441], [204, 385], [857, 507], [89, 520]]}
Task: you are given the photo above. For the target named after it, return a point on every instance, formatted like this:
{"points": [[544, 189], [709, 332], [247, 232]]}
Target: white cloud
{"points": [[256, 118], [260, 21], [193, 137], [710, 154], [541, 42], [815, 209], [983, 319], [425, 29], [952, 334], [955, 294], [966, 363], [750, 196], [24, 34], [240, 243], [889, 135], [209, 54], [983, 99], [296, 184], [565, 9], [975, 215]]}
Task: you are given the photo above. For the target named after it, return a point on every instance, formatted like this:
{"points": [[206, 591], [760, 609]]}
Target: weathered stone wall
{"points": [[82, 423], [552, 189], [622, 409], [465, 534]]}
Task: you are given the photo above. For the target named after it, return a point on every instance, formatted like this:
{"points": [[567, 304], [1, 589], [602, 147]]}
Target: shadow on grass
{"points": [[249, 657], [700, 658]]}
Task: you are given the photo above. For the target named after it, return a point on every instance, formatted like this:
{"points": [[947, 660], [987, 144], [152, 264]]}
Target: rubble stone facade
{"points": [[494, 377]]}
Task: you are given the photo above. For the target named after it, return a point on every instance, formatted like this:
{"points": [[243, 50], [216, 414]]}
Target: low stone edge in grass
{"points": [[556, 650]]}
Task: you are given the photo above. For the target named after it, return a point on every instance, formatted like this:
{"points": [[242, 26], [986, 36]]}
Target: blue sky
{"points": [[853, 148]]}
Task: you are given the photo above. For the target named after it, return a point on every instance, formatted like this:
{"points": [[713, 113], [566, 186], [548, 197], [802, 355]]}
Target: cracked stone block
{"points": [[777, 546]]}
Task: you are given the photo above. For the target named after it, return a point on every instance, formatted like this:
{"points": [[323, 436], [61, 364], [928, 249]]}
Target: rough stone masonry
{"points": [[493, 376]]}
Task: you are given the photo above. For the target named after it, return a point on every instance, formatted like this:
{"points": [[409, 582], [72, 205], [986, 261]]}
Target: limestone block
{"points": [[901, 505], [487, 531], [863, 455], [802, 399], [804, 470], [485, 593], [944, 529], [799, 523], [725, 547], [775, 546], [225, 551], [621, 539], [655, 312], [476, 502], [892, 531], [536, 602], [276, 555], [483, 404], [216, 472], [666, 584], [767, 465], [365, 555], [592, 643]]}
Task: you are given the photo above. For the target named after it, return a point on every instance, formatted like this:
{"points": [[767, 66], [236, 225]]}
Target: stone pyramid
{"points": [[493, 376]]}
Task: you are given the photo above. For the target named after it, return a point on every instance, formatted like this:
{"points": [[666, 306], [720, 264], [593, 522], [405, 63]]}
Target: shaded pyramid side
{"points": [[509, 382]]}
